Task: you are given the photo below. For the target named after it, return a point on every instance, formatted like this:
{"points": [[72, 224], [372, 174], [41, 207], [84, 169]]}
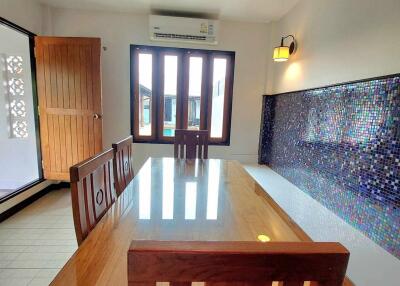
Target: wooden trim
{"points": [[182, 92]]}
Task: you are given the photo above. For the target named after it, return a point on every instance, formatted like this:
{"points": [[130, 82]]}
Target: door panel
{"points": [[69, 89]]}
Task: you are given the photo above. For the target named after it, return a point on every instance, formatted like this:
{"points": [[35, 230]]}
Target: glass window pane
{"points": [[145, 93], [18, 150], [170, 92], [194, 99], [218, 98]]}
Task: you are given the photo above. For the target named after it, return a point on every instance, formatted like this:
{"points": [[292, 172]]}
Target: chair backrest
{"points": [[92, 192], [236, 263], [192, 139], [123, 170]]}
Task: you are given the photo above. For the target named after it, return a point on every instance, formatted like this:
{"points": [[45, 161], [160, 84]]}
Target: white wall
{"points": [[25, 13], [339, 41], [119, 30]]}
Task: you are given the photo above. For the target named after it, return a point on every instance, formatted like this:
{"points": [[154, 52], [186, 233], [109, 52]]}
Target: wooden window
{"points": [[174, 88]]}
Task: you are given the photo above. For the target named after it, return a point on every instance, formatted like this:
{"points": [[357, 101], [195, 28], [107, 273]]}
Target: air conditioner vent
{"points": [[176, 36], [178, 29]]}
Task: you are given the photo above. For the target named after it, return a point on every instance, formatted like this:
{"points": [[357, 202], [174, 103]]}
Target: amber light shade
{"points": [[281, 54]]}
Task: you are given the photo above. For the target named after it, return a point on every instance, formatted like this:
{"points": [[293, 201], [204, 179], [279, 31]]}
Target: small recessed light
{"points": [[263, 238]]}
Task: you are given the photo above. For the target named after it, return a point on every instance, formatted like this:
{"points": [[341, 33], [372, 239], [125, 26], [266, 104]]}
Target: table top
{"points": [[180, 200]]}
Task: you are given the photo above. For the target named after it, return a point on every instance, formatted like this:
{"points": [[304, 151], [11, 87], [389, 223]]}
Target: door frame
{"points": [[31, 37]]}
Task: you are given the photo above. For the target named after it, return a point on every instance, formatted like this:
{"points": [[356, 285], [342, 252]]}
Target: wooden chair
{"points": [[92, 192], [123, 171], [192, 139], [236, 263]]}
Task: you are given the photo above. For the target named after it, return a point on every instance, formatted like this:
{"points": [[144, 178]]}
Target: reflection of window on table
{"points": [[181, 89]]}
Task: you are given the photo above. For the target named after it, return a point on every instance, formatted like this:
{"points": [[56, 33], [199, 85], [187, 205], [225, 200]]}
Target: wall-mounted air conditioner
{"points": [[180, 29]]}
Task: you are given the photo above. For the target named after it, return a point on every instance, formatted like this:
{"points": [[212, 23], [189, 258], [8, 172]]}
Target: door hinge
{"points": [[42, 164], [38, 111], [34, 52]]}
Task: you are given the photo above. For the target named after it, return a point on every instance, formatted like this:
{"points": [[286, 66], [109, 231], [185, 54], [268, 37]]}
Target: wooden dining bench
{"points": [[236, 263]]}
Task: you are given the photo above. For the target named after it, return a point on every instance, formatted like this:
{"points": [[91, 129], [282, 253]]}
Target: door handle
{"points": [[96, 116]]}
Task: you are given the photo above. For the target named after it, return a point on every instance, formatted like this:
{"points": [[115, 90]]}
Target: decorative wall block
{"points": [[20, 129], [18, 108], [13, 82], [16, 87], [14, 64]]}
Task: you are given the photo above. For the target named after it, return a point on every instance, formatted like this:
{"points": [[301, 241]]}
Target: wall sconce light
{"points": [[282, 53]]}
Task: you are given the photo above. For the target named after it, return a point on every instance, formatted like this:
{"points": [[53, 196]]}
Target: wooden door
{"points": [[70, 110]]}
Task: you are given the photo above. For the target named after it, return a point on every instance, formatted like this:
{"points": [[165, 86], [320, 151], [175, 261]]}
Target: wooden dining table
{"points": [[178, 200]]}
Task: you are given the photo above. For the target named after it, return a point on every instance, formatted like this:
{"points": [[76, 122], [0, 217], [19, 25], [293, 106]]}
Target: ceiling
{"points": [[240, 10]]}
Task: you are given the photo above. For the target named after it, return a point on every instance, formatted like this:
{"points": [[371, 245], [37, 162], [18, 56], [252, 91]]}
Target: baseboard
{"points": [[8, 212]]}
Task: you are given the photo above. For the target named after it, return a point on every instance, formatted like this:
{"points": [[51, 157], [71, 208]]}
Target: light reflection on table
{"points": [[208, 176]]}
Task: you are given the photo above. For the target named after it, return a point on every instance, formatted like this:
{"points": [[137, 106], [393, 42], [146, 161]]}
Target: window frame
{"points": [[157, 114], [31, 37]]}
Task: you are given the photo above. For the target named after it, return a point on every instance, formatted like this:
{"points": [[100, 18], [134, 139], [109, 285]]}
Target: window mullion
{"points": [[158, 73], [208, 88], [181, 112], [205, 89]]}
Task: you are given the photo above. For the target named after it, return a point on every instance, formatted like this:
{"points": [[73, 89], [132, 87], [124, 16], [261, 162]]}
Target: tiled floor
{"points": [[36, 242]]}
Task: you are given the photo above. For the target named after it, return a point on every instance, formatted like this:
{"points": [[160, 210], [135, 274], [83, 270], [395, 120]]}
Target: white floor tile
{"points": [[19, 273], [15, 281], [40, 281], [37, 242], [47, 273]]}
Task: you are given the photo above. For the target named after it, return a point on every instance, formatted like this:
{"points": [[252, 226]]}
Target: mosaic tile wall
{"points": [[341, 145]]}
